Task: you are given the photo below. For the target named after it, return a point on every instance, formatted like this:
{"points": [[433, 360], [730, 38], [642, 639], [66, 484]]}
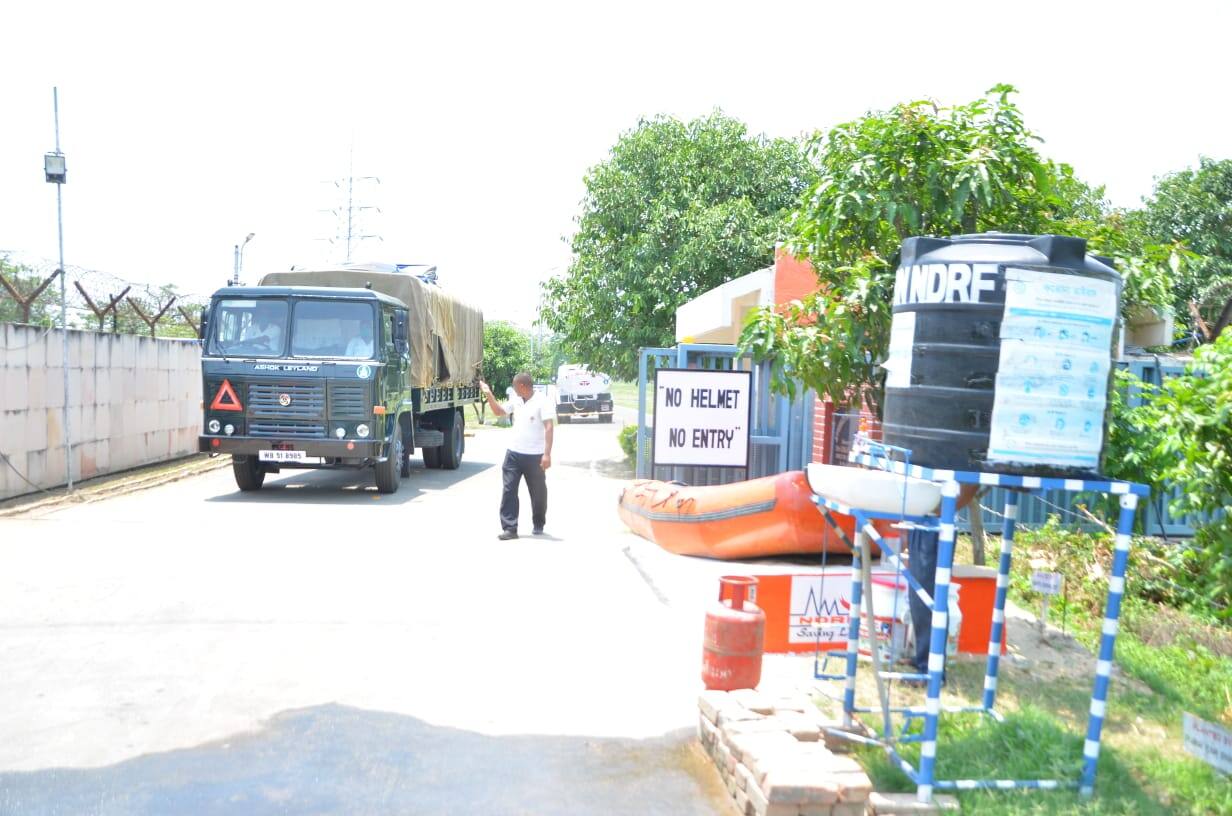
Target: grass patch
{"points": [[1142, 768], [1030, 744], [624, 394]]}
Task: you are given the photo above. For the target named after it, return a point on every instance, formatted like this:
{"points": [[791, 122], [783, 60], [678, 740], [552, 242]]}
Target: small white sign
{"points": [[1047, 583], [1209, 742], [902, 343], [819, 609], [702, 417]]}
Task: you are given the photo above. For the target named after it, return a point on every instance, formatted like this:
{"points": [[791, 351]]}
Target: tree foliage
{"points": [[506, 351], [916, 169], [1180, 434], [676, 209], [1193, 208]]}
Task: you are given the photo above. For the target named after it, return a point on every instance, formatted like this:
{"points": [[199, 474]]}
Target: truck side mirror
{"points": [[205, 323], [400, 342]]}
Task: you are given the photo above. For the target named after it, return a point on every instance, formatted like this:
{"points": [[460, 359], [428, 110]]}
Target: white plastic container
{"points": [[952, 630], [891, 616]]}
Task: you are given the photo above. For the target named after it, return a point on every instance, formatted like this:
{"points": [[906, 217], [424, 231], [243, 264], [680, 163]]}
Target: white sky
{"points": [[184, 131]]}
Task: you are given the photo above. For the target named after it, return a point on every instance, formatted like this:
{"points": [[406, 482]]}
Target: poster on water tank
{"points": [[902, 341], [1052, 380]]}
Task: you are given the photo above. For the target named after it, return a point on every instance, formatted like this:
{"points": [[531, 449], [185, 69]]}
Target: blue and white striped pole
{"points": [[998, 606], [853, 625], [936, 646], [1107, 643]]}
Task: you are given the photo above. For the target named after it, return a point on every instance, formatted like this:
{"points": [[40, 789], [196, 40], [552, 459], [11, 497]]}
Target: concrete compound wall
{"points": [[132, 401]]}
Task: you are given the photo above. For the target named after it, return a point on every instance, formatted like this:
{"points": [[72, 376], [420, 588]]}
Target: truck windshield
{"points": [[249, 327], [332, 328]]}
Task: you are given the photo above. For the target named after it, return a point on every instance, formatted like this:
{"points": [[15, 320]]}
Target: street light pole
{"points": [[54, 168], [239, 259]]}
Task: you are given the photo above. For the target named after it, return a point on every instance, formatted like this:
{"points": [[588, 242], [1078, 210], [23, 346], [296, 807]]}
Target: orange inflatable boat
{"points": [[774, 515]]}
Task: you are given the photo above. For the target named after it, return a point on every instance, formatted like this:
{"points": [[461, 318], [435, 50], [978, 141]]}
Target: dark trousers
{"points": [[922, 564], [518, 466]]}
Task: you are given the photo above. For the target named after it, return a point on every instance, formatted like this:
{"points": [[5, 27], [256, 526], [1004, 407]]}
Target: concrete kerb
{"points": [[115, 484]]}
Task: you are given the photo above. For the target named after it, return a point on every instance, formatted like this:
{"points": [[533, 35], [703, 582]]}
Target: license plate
{"points": [[287, 456]]}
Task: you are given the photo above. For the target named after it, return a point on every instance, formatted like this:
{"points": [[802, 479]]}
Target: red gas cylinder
{"points": [[734, 637]]}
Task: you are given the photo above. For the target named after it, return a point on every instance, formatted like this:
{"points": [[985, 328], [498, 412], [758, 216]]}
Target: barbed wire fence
{"points": [[96, 300]]}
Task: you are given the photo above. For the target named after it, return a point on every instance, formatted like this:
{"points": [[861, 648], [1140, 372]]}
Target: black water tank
{"points": [[1011, 380]]}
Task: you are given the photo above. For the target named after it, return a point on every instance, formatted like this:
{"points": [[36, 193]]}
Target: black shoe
{"points": [[508, 535], [537, 531]]}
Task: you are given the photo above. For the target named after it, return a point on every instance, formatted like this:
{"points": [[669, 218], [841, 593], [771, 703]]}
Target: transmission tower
{"points": [[349, 232]]}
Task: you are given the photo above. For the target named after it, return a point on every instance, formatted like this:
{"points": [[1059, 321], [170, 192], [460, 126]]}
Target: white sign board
{"points": [[702, 417], [1047, 583], [1209, 742], [1052, 381], [819, 609]]}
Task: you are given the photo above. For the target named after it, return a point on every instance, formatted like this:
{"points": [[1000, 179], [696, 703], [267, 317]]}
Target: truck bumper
{"points": [[325, 448], [583, 408]]}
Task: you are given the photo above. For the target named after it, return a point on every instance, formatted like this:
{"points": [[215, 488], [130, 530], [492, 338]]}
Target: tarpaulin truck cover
{"points": [[445, 334]]}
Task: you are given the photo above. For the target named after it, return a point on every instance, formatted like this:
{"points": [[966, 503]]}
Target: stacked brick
{"points": [[776, 759], [773, 758]]}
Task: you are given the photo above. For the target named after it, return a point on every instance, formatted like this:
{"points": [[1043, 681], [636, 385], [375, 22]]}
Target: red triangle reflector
{"points": [[226, 399]]}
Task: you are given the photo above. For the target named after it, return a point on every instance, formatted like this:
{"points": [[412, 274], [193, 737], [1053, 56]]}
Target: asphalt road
{"points": [[319, 648]]}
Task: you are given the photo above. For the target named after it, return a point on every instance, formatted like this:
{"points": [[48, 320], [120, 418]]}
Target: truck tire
{"points": [[455, 442], [432, 457], [249, 474], [605, 418], [563, 419], [389, 472]]}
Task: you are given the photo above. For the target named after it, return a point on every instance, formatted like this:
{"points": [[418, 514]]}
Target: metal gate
{"points": [[781, 435]]}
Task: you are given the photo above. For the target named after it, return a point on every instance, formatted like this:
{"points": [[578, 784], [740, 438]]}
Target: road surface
{"points": [[318, 647]]}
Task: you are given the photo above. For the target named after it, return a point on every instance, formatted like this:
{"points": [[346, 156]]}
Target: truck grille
{"points": [[307, 401], [304, 416], [349, 401], [286, 428]]}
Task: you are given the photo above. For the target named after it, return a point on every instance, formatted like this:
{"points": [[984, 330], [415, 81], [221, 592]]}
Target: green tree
{"points": [[546, 355], [917, 169], [506, 351], [1194, 208], [676, 209]]}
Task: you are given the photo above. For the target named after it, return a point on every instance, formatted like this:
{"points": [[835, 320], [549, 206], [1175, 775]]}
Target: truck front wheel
{"points": [[389, 472], [249, 474]]}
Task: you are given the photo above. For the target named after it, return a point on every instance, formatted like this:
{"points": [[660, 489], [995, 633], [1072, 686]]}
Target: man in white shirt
{"points": [[264, 330], [529, 453], [361, 346]]}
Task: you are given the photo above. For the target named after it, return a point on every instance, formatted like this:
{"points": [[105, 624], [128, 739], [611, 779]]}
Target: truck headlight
{"points": [[362, 430], [340, 432], [215, 426]]}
